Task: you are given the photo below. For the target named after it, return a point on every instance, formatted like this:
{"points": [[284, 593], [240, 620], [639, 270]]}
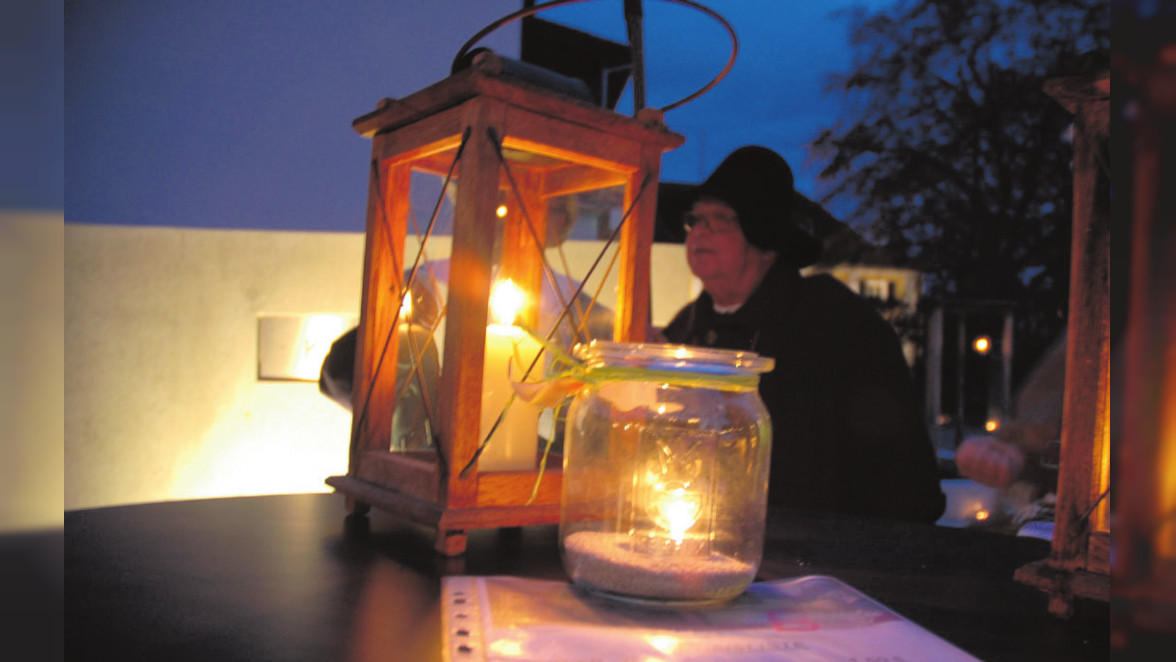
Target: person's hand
{"points": [[989, 461]]}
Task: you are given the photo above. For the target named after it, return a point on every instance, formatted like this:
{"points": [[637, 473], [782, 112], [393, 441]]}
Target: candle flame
{"points": [[506, 301], [677, 509], [406, 306]]}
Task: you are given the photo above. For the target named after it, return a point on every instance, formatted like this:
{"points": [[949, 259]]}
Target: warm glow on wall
{"points": [[243, 435]]}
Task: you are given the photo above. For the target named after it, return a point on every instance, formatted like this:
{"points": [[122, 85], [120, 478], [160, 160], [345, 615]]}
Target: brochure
{"points": [[498, 618]]}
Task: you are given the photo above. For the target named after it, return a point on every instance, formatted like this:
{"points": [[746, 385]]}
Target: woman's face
{"points": [[715, 246]]}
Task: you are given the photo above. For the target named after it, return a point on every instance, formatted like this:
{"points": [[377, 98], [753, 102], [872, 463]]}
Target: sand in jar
{"points": [[615, 563]]}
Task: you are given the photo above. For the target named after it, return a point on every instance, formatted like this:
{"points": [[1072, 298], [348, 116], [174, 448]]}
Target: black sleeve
{"points": [[677, 331], [337, 375]]}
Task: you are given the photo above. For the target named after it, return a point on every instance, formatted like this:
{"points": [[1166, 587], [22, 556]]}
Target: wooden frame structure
{"points": [[490, 135], [1143, 592], [1079, 561]]}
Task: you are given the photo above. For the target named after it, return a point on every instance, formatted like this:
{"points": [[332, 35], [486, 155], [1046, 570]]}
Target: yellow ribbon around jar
{"points": [[566, 375]]}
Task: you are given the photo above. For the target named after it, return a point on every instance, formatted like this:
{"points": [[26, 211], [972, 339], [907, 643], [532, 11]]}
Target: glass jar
{"points": [[665, 477]]}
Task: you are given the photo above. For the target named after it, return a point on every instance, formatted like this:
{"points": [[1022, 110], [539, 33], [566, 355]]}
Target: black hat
{"points": [[757, 183]]}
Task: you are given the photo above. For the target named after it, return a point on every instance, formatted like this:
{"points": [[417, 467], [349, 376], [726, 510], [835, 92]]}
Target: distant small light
{"points": [[981, 515], [982, 344], [501, 211], [992, 425]]}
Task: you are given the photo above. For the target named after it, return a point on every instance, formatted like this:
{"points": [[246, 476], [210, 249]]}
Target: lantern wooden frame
{"points": [[1143, 593], [1079, 561], [480, 113]]}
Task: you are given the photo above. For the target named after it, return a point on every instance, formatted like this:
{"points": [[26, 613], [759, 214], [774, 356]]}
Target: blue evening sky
{"points": [[237, 113]]}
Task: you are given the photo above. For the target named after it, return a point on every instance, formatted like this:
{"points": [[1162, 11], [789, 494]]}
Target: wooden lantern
{"points": [[487, 141], [1079, 561], [1143, 592]]}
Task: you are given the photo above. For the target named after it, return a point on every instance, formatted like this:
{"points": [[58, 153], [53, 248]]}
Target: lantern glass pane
{"points": [[421, 322], [555, 236], [580, 226]]}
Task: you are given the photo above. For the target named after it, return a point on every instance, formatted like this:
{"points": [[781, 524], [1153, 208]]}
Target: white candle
{"points": [[516, 440]]}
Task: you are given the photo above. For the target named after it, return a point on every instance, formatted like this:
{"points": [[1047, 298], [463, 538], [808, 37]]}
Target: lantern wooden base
{"points": [[452, 525], [1067, 584], [502, 496]]}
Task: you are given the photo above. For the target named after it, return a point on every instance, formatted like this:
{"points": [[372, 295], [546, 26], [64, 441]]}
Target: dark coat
{"points": [[847, 432]]}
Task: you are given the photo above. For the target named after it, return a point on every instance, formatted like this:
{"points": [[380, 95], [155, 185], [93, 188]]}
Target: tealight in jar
{"points": [[665, 476]]}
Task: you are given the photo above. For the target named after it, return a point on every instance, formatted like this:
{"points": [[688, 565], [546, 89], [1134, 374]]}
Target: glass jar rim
{"points": [[673, 357]]}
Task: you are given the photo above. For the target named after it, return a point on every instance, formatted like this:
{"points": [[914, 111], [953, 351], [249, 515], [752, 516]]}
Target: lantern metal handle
{"points": [[530, 11]]}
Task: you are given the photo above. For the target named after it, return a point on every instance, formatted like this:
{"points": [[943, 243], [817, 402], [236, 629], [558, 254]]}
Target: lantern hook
{"points": [[535, 9]]}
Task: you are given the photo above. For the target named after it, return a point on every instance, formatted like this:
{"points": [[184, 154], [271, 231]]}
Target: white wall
{"points": [[161, 388], [31, 404]]}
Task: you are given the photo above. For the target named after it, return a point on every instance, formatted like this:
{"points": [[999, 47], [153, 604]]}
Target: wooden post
{"points": [[1078, 565], [1006, 365]]}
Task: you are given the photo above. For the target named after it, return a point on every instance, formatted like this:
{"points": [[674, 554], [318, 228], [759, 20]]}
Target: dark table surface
{"points": [[290, 578]]}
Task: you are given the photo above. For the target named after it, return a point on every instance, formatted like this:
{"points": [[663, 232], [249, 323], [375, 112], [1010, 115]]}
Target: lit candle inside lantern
{"points": [[419, 363], [515, 442]]}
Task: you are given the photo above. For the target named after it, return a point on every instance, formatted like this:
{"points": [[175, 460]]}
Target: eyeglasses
{"points": [[714, 223]]}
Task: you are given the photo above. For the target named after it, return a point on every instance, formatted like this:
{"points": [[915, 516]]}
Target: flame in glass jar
{"points": [[677, 508]]}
